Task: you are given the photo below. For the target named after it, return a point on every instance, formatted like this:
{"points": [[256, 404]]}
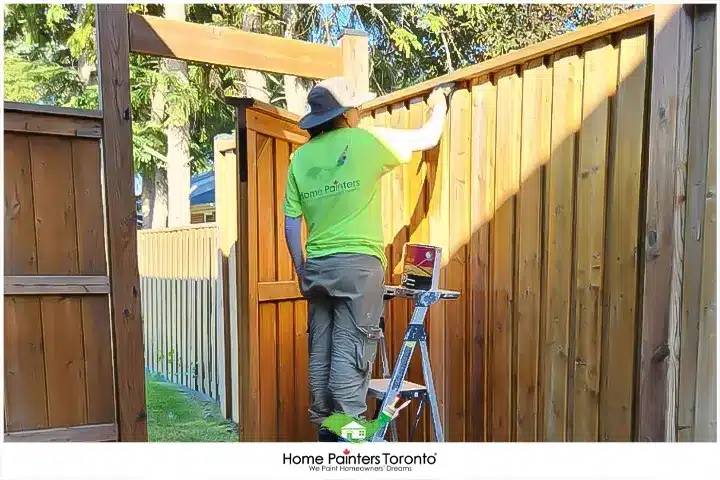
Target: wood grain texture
{"points": [[457, 310], [705, 421], [482, 201], [57, 252], [416, 198], [51, 110], [20, 248], [566, 120], [113, 62], [438, 232], [232, 47], [92, 260], [657, 253], [285, 309], [600, 79], [56, 285], [265, 124], [684, 71], [64, 361], [355, 56], [267, 263], [44, 123], [107, 432], [399, 210], [697, 159], [507, 183], [25, 383], [535, 153], [622, 245], [382, 118]]}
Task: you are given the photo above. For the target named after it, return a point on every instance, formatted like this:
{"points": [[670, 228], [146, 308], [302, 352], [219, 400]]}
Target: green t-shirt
{"points": [[334, 182]]}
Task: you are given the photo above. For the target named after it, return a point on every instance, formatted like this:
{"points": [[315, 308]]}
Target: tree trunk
{"points": [[255, 85], [295, 90], [178, 138], [156, 181], [148, 198], [160, 203]]}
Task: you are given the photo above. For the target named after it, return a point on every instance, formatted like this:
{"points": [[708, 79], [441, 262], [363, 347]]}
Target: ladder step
{"points": [[379, 387]]}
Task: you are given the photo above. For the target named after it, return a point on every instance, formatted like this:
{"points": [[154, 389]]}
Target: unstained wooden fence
{"points": [[179, 282]]}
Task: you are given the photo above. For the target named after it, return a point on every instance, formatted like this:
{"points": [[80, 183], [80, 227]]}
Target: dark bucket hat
{"points": [[329, 99]]}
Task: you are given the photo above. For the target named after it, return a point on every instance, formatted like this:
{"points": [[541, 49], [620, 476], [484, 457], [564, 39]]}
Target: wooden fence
{"points": [[72, 372], [179, 289], [552, 194]]}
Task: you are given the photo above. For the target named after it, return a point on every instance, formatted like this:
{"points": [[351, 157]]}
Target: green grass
{"points": [[178, 415]]}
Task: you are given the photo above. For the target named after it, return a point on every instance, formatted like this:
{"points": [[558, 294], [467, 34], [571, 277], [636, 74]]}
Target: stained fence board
{"points": [[566, 119], [438, 225], [302, 390], [25, 387], [600, 77], [401, 308], [482, 195], [535, 152], [285, 310], [267, 262], [621, 267], [417, 202], [383, 119], [507, 183], [459, 177], [56, 239]]}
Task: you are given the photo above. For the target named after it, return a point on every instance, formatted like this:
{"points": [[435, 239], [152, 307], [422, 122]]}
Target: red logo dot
{"points": [[336, 182], [346, 451]]}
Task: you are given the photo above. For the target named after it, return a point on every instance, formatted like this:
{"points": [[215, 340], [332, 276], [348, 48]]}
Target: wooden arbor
{"points": [[120, 34]]}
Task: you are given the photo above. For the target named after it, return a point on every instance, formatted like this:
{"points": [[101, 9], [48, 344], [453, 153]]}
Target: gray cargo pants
{"points": [[345, 294]]}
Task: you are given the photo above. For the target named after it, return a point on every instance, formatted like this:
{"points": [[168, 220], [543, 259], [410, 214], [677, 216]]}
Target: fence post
{"points": [[356, 59], [113, 53], [226, 176]]}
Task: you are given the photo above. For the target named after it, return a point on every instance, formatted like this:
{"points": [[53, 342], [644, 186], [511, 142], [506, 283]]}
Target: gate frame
{"points": [[119, 34]]}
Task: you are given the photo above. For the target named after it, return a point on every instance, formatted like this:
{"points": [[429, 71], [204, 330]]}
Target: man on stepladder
{"points": [[334, 182]]}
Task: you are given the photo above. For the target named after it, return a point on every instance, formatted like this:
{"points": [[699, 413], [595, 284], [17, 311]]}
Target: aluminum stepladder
{"points": [[389, 387]]}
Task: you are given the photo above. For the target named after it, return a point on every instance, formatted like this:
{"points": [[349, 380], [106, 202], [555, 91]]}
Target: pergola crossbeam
{"points": [[232, 47]]}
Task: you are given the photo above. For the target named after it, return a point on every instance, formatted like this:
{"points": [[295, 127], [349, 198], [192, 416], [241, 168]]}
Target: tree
{"points": [[50, 58], [177, 132]]}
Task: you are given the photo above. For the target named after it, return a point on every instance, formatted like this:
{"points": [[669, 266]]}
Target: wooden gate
{"points": [[272, 337], [60, 374]]}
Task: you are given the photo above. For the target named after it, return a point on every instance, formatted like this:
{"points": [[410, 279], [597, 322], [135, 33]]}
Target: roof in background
{"points": [[202, 188]]}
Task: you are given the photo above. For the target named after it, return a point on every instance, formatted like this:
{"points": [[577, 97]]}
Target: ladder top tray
{"points": [[392, 291]]}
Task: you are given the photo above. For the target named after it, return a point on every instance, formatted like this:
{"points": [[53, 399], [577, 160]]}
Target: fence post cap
{"points": [[351, 32]]}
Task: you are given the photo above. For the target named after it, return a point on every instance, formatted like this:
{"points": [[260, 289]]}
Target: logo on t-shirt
{"points": [[334, 188], [322, 173]]}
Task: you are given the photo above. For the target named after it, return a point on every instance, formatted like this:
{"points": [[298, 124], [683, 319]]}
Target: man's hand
{"points": [[439, 96]]}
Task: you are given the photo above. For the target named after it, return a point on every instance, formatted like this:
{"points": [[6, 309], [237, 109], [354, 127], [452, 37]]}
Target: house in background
{"points": [[202, 197]]}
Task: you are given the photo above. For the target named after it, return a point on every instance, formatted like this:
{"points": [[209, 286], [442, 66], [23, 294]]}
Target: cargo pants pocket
{"points": [[367, 347]]}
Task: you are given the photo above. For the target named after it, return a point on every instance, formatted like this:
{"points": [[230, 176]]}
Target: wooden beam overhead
{"points": [[232, 47]]}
